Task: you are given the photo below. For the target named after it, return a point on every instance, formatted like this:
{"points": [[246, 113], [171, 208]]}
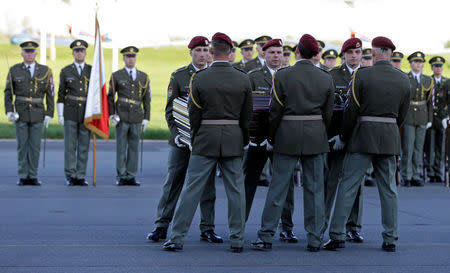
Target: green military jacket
{"points": [[301, 90], [440, 103], [73, 90], [261, 80], [137, 92], [20, 84], [421, 110], [252, 64], [178, 87], [220, 92], [239, 65], [376, 91]]}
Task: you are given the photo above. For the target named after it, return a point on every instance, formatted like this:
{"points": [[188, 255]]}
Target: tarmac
{"points": [[56, 228]]}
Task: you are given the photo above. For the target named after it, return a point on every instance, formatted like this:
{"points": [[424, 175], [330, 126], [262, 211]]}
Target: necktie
{"points": [[29, 71], [80, 70], [131, 74], [417, 79]]}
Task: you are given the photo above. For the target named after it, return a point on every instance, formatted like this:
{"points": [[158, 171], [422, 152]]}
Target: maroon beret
{"points": [[273, 42], [310, 43], [198, 41], [383, 42], [219, 36], [351, 43]]}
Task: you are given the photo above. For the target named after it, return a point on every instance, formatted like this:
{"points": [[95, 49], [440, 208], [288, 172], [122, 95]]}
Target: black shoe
{"points": [[133, 182], [71, 182], [369, 183], [313, 248], [171, 246], [34, 182], [388, 247], [432, 179], [438, 179], [82, 182], [417, 183], [260, 245], [288, 236], [236, 249], [211, 237], [334, 244], [406, 183], [157, 233], [354, 236], [263, 183], [121, 182], [22, 182]]}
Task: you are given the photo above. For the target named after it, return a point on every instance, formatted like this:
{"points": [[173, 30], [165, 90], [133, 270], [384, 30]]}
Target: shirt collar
{"points": [[197, 69], [271, 70], [32, 66], [318, 65], [350, 69], [262, 60], [437, 80], [82, 65], [219, 62], [133, 69], [416, 75]]}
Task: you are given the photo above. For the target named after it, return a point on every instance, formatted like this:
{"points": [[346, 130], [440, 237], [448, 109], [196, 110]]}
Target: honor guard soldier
{"points": [[366, 57], [316, 59], [376, 106], [232, 56], [301, 109], [435, 136], [258, 61], [396, 60], [71, 105], [32, 85], [179, 153], [418, 120], [130, 113], [342, 74], [247, 50], [287, 51], [219, 131], [257, 154], [329, 58]]}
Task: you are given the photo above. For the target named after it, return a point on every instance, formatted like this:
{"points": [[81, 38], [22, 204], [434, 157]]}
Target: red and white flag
{"points": [[96, 114]]}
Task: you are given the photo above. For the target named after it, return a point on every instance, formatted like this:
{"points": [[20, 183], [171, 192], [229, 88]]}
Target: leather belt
{"points": [[305, 117], [70, 97], [131, 101], [220, 122], [422, 102], [377, 119], [29, 99]]}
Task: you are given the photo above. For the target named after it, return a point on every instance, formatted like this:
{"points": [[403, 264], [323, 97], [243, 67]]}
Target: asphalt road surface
{"points": [[55, 228]]}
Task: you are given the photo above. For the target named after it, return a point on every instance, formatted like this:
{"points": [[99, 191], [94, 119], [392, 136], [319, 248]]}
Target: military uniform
{"points": [[420, 113], [301, 109], [329, 54], [341, 78], [245, 44], [30, 89], [258, 61], [132, 106], [71, 104], [257, 156]]}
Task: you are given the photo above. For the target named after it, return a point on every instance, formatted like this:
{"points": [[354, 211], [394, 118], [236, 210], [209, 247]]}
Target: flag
{"points": [[96, 114]]}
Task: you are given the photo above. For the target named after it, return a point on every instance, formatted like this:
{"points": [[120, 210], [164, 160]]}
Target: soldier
{"points": [[396, 60], [257, 62], [329, 58], [247, 50], [286, 60], [130, 113], [219, 130], [366, 57], [73, 87], [352, 52], [417, 121], [341, 55], [435, 136], [257, 154], [377, 105], [179, 154], [316, 59], [301, 109], [232, 56], [31, 83]]}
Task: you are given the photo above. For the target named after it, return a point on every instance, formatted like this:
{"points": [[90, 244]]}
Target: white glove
{"points": [[445, 123], [12, 116], [246, 147], [115, 119], [144, 124], [338, 143], [428, 125], [252, 144], [47, 121], [269, 147], [265, 142], [60, 107], [179, 144]]}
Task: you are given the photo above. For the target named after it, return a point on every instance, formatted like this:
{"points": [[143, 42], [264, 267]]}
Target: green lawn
{"points": [[159, 63]]}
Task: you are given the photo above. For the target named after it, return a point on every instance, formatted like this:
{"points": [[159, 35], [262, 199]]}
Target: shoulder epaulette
{"points": [[181, 69], [255, 70]]}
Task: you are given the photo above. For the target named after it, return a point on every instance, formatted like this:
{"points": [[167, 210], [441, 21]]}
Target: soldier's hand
{"points": [[12, 116], [246, 147], [60, 107], [338, 143], [269, 147], [179, 144], [428, 125], [115, 119], [445, 123], [144, 124], [61, 120], [47, 121]]}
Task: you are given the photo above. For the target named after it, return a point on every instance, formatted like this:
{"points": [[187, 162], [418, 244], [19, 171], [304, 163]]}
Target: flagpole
{"points": [[95, 161]]}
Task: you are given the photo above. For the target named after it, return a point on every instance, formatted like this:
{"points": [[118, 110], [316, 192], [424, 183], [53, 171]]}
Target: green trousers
{"points": [[435, 151], [413, 138], [354, 168], [177, 164], [127, 154], [76, 149], [199, 171], [313, 195], [332, 176], [28, 137]]}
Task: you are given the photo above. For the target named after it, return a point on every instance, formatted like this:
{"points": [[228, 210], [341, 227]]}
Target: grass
{"points": [[158, 63]]}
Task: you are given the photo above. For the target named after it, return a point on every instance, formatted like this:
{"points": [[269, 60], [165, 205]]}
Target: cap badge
{"points": [[131, 50], [78, 43], [419, 55], [357, 44]]}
